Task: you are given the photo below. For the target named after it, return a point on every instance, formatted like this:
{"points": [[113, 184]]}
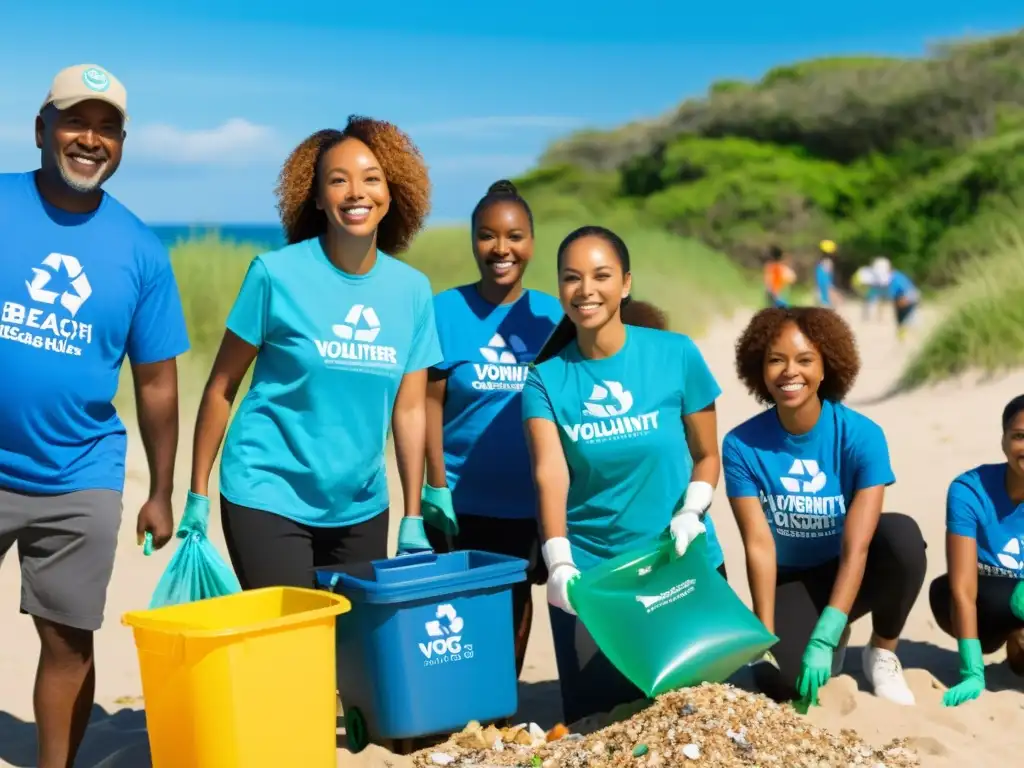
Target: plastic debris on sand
{"points": [[707, 725]]}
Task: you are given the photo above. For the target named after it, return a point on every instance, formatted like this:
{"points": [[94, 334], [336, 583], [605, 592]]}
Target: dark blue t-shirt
{"points": [[79, 292], [806, 483], [487, 350], [978, 507]]}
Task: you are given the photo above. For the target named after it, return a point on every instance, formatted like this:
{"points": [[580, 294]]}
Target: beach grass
{"points": [[982, 328], [689, 281]]}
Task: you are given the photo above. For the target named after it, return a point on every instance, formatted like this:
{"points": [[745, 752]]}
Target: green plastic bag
{"points": [[667, 622], [196, 570]]}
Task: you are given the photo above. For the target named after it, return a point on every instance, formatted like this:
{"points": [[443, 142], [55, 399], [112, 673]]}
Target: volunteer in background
{"points": [[479, 492], [897, 287], [621, 426], [866, 284], [84, 284], [980, 601], [778, 277], [823, 274], [806, 480], [342, 334]]}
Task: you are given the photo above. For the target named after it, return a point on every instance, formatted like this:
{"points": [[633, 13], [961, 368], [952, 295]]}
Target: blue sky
{"points": [[220, 91]]}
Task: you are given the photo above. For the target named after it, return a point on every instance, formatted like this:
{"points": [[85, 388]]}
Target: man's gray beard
{"points": [[77, 184]]}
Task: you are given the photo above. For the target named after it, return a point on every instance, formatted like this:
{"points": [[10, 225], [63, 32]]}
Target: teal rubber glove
{"points": [[437, 511], [816, 666], [412, 536], [1017, 601], [972, 675], [195, 519]]}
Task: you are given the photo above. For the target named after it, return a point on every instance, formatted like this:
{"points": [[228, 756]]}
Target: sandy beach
{"points": [[933, 435]]}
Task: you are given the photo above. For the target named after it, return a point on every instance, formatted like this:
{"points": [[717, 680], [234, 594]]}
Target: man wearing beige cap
{"points": [[83, 284]]}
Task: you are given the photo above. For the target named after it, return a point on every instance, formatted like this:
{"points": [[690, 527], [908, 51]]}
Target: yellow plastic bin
{"points": [[243, 681]]}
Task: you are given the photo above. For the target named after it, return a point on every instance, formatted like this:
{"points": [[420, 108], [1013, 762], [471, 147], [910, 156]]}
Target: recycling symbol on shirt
{"points": [[71, 299]]}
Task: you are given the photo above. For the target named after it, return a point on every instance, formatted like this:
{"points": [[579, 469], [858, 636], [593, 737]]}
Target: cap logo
{"points": [[96, 79]]}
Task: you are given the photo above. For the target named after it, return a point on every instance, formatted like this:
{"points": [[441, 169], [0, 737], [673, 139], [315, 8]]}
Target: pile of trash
{"points": [[707, 725]]}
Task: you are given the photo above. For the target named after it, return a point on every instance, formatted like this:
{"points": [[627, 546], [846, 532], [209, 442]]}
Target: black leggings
{"points": [[893, 578], [269, 550], [995, 619], [590, 684]]}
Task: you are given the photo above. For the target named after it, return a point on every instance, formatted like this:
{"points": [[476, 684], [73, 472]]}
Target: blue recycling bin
{"points": [[428, 645]]}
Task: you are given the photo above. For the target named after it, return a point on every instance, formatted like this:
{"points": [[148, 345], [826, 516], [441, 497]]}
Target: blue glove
{"points": [[436, 504], [412, 536]]}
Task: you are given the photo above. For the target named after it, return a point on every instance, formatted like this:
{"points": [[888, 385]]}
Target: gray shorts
{"points": [[66, 544]]}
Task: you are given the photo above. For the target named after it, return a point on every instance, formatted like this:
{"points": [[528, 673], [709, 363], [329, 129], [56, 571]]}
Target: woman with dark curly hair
{"points": [[980, 601], [806, 481], [621, 425], [342, 334], [479, 492]]}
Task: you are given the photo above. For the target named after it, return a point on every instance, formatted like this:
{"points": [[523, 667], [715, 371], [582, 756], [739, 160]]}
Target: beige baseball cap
{"points": [[86, 81]]}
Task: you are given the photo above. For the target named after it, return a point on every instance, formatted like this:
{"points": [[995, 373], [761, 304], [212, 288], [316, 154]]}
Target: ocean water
{"points": [[267, 236]]}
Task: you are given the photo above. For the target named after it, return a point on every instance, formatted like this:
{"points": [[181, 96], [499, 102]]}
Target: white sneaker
{"points": [[885, 674]]}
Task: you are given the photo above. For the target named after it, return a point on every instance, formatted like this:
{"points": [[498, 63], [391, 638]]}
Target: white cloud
{"points": [[487, 127], [234, 142]]}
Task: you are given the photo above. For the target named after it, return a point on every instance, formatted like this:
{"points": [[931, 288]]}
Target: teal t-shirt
{"points": [[620, 420], [308, 440]]}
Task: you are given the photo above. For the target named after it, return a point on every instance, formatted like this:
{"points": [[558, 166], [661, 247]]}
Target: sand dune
{"points": [[933, 435]]}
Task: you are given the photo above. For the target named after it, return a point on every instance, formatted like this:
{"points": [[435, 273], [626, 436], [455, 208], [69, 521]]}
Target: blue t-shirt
{"points": [[823, 280], [978, 507], [620, 422], [807, 482], [486, 351], [308, 441], [901, 287], [79, 293]]}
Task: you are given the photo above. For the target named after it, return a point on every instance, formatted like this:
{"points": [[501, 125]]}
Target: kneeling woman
{"points": [[980, 601], [602, 490], [806, 481]]}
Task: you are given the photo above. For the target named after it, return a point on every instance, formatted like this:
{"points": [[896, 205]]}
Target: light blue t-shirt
{"points": [[79, 293], [308, 441], [978, 507], [486, 351], [807, 482], [620, 421], [823, 281], [901, 287]]}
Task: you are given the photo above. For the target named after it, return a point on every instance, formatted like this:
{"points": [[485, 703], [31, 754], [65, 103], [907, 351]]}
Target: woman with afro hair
{"points": [[342, 334], [806, 480]]}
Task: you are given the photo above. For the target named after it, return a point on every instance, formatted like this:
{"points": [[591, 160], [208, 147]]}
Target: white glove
{"points": [[686, 525], [561, 570]]}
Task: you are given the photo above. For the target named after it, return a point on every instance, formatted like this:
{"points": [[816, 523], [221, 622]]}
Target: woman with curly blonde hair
{"points": [[342, 334], [806, 481]]}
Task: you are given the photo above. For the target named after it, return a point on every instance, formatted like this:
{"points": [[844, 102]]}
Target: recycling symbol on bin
{"points": [[71, 299], [448, 622]]}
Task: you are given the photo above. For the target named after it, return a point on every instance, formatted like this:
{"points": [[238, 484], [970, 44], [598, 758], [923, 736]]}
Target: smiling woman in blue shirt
{"points": [[806, 480], [342, 334], [479, 493], [980, 601], [622, 430]]}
